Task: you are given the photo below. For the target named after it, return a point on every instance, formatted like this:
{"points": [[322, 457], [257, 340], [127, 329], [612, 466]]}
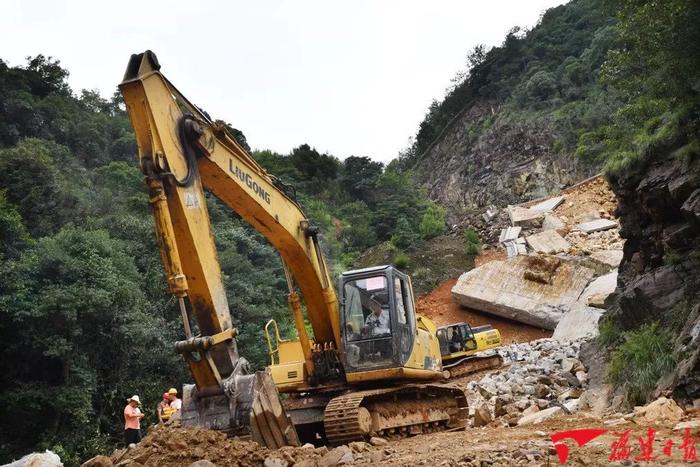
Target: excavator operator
{"points": [[377, 322]]}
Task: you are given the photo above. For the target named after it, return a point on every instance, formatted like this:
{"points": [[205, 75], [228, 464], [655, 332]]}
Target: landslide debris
{"points": [[182, 446], [551, 250], [540, 379]]}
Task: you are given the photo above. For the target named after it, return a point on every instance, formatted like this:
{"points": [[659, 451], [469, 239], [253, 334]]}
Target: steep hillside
{"points": [[508, 130]]}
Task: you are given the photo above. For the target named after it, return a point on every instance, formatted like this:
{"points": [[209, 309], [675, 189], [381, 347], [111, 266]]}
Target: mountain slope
{"points": [[507, 132]]}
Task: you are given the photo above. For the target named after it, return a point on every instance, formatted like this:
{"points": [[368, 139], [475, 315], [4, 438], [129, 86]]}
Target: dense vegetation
{"points": [[612, 79], [85, 317], [548, 75]]}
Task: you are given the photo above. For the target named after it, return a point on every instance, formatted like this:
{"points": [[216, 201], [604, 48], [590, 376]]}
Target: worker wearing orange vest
{"points": [[165, 411]]}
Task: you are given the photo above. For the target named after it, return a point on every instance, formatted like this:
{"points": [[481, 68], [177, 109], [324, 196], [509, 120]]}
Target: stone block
{"points": [[552, 222], [611, 258], [580, 321], [548, 242], [524, 217], [600, 288], [548, 205], [509, 234], [597, 225], [540, 416], [511, 249]]}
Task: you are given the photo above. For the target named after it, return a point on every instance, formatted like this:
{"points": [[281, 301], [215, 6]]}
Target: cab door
{"points": [[468, 337]]}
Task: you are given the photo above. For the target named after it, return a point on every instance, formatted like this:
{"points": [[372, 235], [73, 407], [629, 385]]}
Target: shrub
{"points": [[401, 261], [404, 234], [609, 332], [433, 222], [637, 364], [472, 241]]}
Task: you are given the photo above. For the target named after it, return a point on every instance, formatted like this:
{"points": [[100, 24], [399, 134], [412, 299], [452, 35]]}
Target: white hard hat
{"points": [[134, 398]]}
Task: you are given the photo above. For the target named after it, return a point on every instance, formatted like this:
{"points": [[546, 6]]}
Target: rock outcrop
{"points": [[471, 167], [659, 277]]}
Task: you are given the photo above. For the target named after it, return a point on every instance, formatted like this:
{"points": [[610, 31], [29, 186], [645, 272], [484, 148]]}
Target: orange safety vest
{"points": [[166, 412]]}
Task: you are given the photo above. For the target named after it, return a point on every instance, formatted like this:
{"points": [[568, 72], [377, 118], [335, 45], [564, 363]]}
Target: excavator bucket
{"points": [[269, 423], [250, 405]]}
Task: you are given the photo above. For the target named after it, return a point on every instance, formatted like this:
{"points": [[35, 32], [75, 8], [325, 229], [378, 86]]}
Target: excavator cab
{"points": [[378, 318]]}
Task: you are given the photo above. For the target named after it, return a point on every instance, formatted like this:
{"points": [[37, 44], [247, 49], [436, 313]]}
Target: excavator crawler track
{"points": [[474, 364], [400, 411]]}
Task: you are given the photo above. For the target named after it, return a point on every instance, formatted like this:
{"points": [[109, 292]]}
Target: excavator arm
{"points": [[182, 153]]}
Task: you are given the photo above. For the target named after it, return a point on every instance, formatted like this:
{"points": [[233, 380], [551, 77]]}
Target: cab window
{"points": [[367, 308]]}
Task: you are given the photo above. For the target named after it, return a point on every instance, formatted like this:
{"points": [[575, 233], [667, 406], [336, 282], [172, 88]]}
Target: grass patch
{"points": [[640, 361], [678, 316], [609, 332]]}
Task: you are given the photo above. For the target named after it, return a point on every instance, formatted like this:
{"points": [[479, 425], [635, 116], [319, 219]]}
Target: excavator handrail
{"points": [[271, 352]]}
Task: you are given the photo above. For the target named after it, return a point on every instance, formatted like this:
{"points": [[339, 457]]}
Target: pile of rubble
{"points": [[197, 447], [557, 248], [544, 378], [579, 221]]}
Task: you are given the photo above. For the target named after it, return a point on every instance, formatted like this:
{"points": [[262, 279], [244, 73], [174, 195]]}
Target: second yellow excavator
{"points": [[372, 366]]}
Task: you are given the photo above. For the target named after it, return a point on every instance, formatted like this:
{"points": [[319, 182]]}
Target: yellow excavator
{"points": [[372, 366]]}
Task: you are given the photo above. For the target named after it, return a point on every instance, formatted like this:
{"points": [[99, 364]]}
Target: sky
{"points": [[349, 78]]}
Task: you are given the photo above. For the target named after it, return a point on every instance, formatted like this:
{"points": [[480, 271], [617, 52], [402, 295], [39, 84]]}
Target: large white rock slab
{"points": [[597, 225], [509, 233], [499, 288], [600, 288], [548, 242], [539, 417], [552, 222], [524, 217]]}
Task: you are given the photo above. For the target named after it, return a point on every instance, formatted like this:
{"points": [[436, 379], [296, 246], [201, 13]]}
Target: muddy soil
{"points": [[181, 446]]}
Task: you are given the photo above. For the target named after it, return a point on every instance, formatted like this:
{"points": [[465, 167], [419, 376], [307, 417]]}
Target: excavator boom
{"points": [[182, 152]]}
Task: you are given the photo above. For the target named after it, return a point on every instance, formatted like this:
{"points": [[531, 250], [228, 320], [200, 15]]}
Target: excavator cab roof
{"points": [[368, 270]]}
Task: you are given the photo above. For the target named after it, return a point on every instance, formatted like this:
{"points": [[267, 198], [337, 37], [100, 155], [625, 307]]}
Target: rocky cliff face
{"points": [[477, 163], [659, 278]]}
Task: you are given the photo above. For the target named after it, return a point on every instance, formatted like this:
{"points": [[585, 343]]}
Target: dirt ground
{"points": [[531, 445], [593, 197], [439, 306], [491, 445]]}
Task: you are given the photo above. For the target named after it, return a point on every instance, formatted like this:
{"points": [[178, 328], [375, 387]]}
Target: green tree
{"points": [[75, 316], [359, 176], [33, 183], [405, 234], [313, 165], [13, 235], [472, 242]]}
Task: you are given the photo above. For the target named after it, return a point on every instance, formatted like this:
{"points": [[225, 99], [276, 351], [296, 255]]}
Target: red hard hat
{"points": [[165, 395]]}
